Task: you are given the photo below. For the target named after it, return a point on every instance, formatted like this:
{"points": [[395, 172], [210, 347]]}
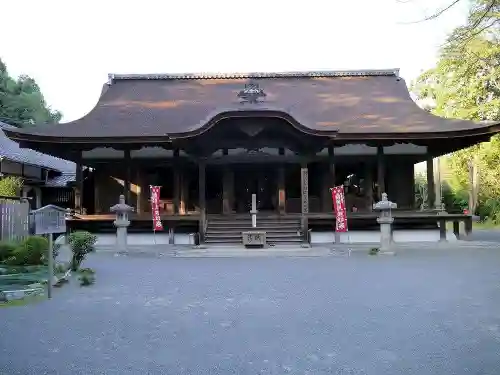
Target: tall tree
{"points": [[21, 101], [484, 17], [465, 84]]}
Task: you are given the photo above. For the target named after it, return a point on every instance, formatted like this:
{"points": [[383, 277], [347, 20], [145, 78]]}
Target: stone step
{"points": [[249, 224], [228, 229], [238, 235], [240, 241], [247, 215], [239, 230]]}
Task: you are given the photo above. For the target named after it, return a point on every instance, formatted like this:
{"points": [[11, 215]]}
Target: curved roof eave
{"points": [[218, 115], [485, 129], [345, 105]]}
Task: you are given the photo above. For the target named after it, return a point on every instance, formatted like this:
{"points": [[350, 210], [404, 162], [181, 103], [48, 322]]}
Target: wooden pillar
{"points": [[328, 181], [176, 181], [437, 183], [380, 172], [281, 190], [139, 191], [368, 186], [431, 193], [78, 190], [201, 199], [126, 185], [97, 202], [177, 190], [184, 191], [304, 183], [227, 191]]}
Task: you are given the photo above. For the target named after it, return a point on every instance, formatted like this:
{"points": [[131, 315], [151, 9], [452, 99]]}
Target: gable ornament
{"points": [[251, 93]]}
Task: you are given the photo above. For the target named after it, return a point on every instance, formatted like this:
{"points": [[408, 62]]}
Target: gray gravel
{"points": [[428, 312]]}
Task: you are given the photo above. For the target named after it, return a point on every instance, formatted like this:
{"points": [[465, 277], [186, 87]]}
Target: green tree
{"points": [[22, 103], [465, 84], [11, 186], [483, 18]]}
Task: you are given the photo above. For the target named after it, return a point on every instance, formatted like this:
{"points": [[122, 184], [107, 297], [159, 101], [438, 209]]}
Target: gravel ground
{"points": [[426, 312]]}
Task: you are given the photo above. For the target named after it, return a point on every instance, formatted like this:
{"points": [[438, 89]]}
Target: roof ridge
{"points": [[292, 74]]}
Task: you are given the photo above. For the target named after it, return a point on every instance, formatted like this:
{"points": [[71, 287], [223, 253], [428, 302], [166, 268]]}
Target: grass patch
{"points": [[23, 302]]}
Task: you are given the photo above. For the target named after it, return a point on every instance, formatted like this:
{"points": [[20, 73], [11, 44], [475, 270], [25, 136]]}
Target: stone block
{"points": [[254, 238]]}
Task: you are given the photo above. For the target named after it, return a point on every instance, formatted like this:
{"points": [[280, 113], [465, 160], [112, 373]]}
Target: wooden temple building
{"points": [[212, 140]]}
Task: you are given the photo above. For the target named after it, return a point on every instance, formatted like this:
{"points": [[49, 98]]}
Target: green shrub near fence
{"points": [[33, 250], [7, 250]]}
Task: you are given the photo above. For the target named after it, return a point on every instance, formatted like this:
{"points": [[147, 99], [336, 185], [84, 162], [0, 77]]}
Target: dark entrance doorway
{"points": [[255, 179]]}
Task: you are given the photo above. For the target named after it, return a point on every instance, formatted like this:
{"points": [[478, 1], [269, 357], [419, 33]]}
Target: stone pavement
{"points": [[423, 312], [284, 250]]}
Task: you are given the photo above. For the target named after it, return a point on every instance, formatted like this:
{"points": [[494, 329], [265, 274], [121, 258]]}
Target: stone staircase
{"points": [[226, 229]]}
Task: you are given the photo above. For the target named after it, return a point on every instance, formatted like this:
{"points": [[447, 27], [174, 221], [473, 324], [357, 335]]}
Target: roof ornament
{"points": [[251, 93]]}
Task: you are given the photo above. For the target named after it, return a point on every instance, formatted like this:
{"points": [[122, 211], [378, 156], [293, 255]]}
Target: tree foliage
{"points": [[11, 186], [465, 84], [21, 101], [483, 18]]}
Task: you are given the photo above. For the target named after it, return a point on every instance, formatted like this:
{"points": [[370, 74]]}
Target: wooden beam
{"points": [[431, 193], [140, 190], [78, 190], [368, 185], [201, 198], [281, 190], [380, 172], [227, 190], [126, 185], [177, 189]]}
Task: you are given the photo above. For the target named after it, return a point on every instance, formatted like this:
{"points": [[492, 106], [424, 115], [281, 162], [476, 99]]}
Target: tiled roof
{"points": [[163, 107], [10, 150], [305, 74], [62, 180]]}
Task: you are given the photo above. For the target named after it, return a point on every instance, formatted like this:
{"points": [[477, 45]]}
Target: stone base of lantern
{"points": [[386, 235], [121, 236]]}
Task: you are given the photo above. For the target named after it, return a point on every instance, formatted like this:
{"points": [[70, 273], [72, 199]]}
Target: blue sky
{"points": [[70, 46]]}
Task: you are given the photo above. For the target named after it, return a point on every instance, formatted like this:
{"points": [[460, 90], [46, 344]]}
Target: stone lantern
{"points": [[385, 220], [121, 223]]}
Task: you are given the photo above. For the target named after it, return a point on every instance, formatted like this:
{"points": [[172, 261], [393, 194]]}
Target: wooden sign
{"points": [[304, 175]]}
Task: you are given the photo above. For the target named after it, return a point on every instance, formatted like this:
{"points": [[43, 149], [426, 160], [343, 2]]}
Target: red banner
{"points": [[155, 207], [339, 209]]}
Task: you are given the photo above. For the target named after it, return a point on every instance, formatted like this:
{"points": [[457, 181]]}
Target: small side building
{"points": [[46, 179]]}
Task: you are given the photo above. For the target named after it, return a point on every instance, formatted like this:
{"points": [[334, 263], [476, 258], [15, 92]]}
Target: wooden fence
{"points": [[14, 219]]}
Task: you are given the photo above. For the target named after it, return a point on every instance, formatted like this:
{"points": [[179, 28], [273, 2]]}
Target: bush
{"points": [[490, 211], [11, 186], [31, 251], [87, 276], [7, 250], [60, 268], [374, 251], [81, 244]]}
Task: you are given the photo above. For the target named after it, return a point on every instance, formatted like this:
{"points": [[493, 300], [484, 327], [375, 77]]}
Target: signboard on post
{"points": [[49, 220], [339, 208]]}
